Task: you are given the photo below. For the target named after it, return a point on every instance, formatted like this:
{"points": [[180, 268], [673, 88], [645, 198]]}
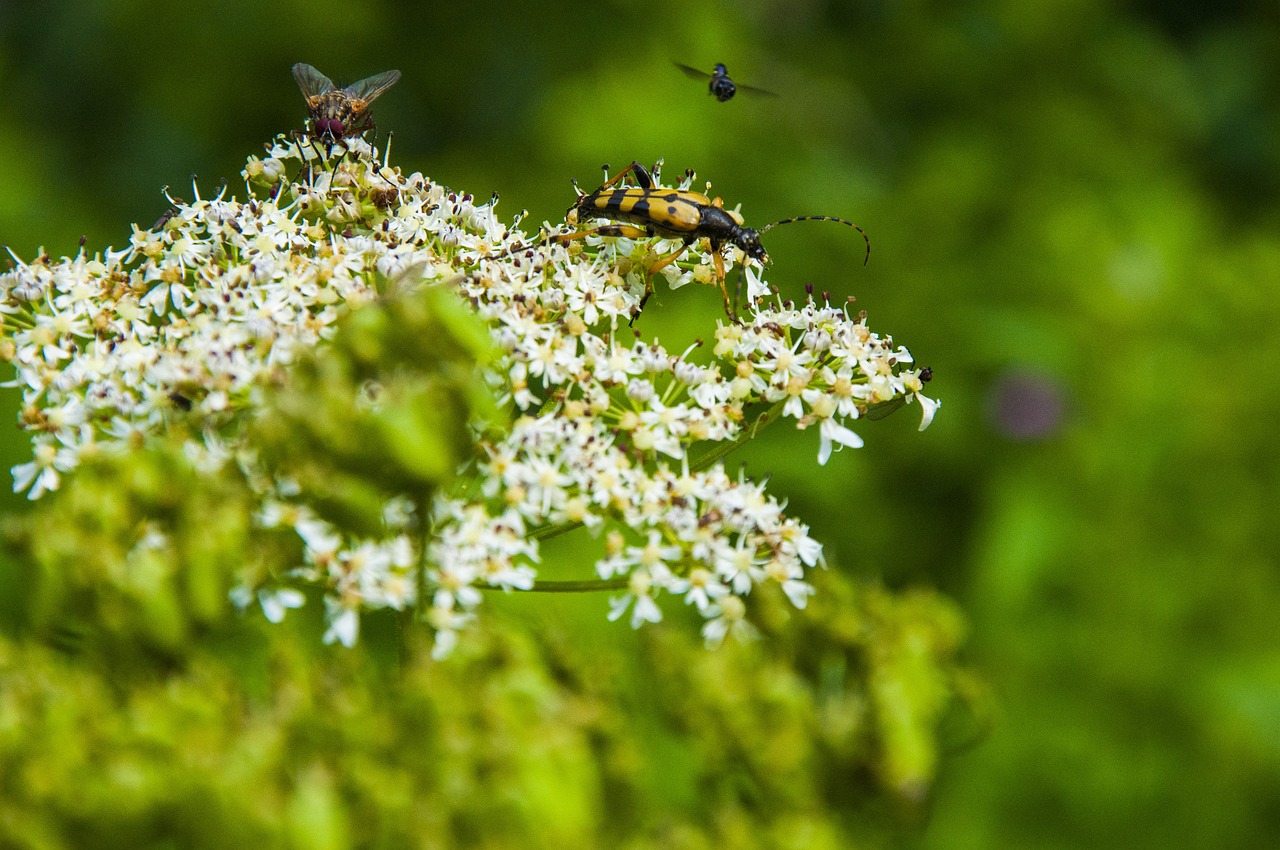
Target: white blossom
{"points": [[192, 321]]}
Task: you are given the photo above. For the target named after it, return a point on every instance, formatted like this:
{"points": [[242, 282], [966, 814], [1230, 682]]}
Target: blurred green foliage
{"points": [[138, 708], [1081, 192], [256, 736], [423, 351], [137, 711]]}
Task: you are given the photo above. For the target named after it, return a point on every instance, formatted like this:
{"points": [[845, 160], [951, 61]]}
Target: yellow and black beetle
{"points": [[647, 211]]}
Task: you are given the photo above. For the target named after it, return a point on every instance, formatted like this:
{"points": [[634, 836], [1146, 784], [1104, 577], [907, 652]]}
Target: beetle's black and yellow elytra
{"points": [[646, 211], [672, 214]]}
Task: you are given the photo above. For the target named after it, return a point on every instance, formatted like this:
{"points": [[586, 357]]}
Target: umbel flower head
{"points": [[195, 325]]}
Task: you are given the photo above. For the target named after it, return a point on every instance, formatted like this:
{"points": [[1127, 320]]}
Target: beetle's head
{"points": [[748, 240]]}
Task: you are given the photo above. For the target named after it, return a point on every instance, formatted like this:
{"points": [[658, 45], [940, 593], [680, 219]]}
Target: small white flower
{"points": [[44, 472], [645, 610], [739, 565], [727, 618], [321, 538], [832, 433], [928, 407], [275, 604], [756, 287], [344, 623], [798, 592], [703, 590]]}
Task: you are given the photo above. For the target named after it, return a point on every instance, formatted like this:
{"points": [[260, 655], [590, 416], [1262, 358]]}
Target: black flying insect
{"points": [[719, 83]]}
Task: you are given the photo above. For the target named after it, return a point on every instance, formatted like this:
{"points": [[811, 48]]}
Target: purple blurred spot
{"points": [[1026, 406]]}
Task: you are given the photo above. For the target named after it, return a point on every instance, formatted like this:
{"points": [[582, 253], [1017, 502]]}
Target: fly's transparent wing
{"points": [[370, 88], [755, 92], [703, 75], [884, 408], [312, 82], [692, 72]]}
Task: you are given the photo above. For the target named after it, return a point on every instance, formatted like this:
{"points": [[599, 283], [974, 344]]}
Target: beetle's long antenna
{"points": [[865, 238]]}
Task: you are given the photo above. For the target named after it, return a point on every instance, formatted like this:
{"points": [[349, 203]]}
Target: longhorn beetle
{"points": [[645, 210]]}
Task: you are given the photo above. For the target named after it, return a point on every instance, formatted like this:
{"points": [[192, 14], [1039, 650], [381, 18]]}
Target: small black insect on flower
{"points": [[340, 113], [719, 83]]}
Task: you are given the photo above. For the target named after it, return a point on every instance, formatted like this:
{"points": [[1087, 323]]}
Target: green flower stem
{"points": [[549, 531], [422, 506], [722, 450], [20, 321], [587, 586]]}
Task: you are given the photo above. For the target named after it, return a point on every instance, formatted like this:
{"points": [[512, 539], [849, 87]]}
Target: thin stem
{"points": [[422, 505], [549, 531], [20, 321], [586, 586], [417, 614], [722, 450]]}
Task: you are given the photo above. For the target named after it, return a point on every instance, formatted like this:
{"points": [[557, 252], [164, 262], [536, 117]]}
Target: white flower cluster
{"points": [[196, 316], [700, 535]]}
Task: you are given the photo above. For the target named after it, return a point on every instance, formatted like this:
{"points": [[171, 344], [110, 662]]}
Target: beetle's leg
{"points": [[662, 262], [655, 267], [643, 180], [719, 264], [625, 230], [628, 231]]}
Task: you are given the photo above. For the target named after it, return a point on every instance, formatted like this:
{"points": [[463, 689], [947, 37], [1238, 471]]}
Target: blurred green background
{"points": [[1074, 208]]}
